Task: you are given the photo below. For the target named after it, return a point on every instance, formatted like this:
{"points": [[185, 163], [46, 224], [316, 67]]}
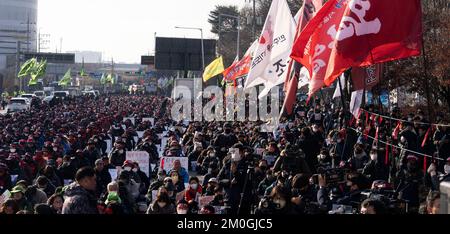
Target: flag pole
{"points": [[425, 81]]}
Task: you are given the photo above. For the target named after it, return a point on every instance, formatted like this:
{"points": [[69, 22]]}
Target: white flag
{"points": [[355, 102], [337, 91], [270, 61], [303, 78]]}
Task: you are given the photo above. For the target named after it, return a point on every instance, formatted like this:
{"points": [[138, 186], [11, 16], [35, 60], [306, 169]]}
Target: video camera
{"points": [[333, 176]]}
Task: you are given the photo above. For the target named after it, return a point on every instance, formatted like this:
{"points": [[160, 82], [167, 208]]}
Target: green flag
{"points": [[32, 82], [103, 79], [66, 79], [40, 70], [27, 67], [109, 79], [82, 72]]}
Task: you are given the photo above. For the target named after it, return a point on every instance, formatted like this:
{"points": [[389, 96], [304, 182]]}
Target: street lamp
{"points": [[238, 31], [203, 49]]}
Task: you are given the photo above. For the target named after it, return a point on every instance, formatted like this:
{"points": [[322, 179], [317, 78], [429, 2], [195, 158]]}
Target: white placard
{"points": [[108, 145], [14, 178], [113, 173], [151, 120], [154, 194], [130, 118], [140, 133], [167, 162], [5, 196], [142, 158], [259, 151]]}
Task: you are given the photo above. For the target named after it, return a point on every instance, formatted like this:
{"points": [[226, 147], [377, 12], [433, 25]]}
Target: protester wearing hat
{"points": [[18, 194], [141, 176], [117, 156], [79, 197], [181, 171], [212, 183], [91, 152]]}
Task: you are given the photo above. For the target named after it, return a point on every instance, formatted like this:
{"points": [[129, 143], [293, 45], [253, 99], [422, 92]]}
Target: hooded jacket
{"points": [[78, 200]]}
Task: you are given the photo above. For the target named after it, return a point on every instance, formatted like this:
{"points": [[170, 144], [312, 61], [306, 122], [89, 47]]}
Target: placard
{"points": [[259, 151], [167, 162], [142, 158], [5, 196], [151, 120], [113, 173], [204, 200]]}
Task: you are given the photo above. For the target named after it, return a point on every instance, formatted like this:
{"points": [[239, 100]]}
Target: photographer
{"points": [[292, 160], [351, 192], [276, 203], [410, 179], [375, 169], [303, 195]]}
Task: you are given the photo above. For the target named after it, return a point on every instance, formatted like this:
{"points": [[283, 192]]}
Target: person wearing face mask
{"points": [[145, 181], [271, 153], [213, 171], [210, 159], [91, 153], [44, 185], [211, 185], [260, 171], [162, 205], [224, 140], [304, 196], [360, 158], [194, 190], [193, 156], [408, 183], [375, 169], [117, 155], [266, 182], [277, 202], [177, 181]]}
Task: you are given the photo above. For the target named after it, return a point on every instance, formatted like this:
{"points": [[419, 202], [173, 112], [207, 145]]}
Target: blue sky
{"points": [[123, 29]]}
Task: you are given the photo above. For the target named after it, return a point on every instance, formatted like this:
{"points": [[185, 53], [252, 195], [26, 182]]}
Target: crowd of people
{"points": [[55, 159]]}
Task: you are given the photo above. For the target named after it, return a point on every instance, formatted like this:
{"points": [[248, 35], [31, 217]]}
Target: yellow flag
{"points": [[213, 69]]}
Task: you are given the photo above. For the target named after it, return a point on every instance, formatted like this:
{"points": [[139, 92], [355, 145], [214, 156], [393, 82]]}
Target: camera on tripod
{"points": [[333, 176]]}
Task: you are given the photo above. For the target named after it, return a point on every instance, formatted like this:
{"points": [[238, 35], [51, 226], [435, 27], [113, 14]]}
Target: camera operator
{"points": [[351, 192], [234, 172], [276, 203], [304, 196], [292, 160], [375, 169], [225, 140], [410, 179]]}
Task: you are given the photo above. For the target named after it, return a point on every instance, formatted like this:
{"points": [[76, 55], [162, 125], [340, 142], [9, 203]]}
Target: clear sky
{"points": [[122, 29]]}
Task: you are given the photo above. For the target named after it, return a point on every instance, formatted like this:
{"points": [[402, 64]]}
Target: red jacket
{"points": [[190, 193]]}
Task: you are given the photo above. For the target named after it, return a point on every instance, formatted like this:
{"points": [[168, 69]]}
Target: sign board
{"points": [[204, 200], [167, 162], [259, 151], [114, 173], [151, 120], [142, 158], [108, 146], [5, 196]]}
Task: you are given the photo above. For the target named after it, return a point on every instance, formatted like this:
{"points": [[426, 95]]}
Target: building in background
{"points": [[88, 56], [18, 23]]}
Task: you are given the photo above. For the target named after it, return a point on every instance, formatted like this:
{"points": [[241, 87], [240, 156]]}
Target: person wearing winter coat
{"points": [[79, 197], [162, 205]]}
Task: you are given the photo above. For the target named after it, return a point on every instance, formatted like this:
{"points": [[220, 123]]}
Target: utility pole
{"points": [[28, 32], [254, 20], [18, 64]]}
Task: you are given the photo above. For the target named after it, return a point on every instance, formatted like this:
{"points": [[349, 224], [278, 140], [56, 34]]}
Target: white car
{"points": [[60, 94], [18, 104], [90, 93], [28, 95], [40, 94], [47, 99]]}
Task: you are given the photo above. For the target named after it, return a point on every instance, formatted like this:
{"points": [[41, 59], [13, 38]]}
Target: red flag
{"points": [[386, 156], [356, 33], [396, 130], [237, 69], [371, 75], [426, 137], [309, 9]]}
